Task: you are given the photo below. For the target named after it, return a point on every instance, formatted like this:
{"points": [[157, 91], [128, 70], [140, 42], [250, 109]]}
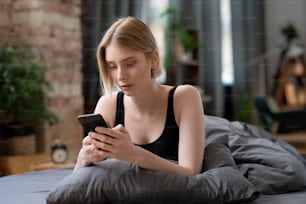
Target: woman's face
{"points": [[129, 69]]}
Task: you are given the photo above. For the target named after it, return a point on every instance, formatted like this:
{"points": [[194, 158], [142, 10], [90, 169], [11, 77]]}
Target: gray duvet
{"points": [[270, 164]]}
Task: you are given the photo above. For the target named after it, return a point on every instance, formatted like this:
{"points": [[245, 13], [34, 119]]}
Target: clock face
{"points": [[59, 156]]}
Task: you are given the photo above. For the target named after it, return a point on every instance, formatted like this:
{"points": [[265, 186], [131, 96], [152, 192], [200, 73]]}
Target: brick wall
{"points": [[52, 28]]}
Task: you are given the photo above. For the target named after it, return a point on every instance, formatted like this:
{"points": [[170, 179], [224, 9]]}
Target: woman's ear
{"points": [[155, 59]]}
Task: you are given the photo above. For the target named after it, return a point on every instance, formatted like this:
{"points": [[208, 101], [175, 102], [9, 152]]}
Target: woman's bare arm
{"points": [[189, 112]]}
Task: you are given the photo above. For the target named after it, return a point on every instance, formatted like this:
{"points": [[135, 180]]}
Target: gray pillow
{"points": [[114, 181]]}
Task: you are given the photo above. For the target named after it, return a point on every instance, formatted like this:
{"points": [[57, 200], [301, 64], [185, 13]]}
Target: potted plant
{"points": [[177, 28], [180, 43], [290, 33], [23, 88]]}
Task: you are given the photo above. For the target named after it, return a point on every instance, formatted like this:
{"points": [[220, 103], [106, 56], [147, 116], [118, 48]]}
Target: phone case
{"points": [[91, 121]]}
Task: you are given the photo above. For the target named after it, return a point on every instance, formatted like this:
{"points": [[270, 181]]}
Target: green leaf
{"points": [[23, 86]]}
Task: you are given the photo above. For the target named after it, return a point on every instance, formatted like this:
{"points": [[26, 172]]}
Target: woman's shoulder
{"points": [[106, 106], [186, 91], [108, 98], [187, 102], [187, 96]]}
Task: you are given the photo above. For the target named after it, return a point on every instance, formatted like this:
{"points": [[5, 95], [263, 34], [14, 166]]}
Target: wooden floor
{"points": [[297, 139]]}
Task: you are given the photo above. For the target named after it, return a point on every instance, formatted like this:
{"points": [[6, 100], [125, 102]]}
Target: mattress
{"points": [[30, 188], [33, 187]]}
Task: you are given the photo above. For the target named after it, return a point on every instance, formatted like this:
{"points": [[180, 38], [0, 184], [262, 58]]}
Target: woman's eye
{"points": [[129, 64], [110, 66]]}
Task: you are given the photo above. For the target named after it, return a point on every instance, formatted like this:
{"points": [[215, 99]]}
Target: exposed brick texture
{"points": [[52, 29]]}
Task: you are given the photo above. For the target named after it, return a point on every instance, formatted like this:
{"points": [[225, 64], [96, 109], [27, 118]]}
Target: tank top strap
{"points": [[120, 109], [170, 110]]}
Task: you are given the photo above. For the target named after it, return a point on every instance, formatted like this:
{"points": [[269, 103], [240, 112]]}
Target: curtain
{"points": [[249, 46], [209, 25]]}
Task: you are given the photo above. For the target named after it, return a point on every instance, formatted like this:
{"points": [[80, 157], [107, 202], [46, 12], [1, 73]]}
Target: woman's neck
{"points": [[148, 100]]}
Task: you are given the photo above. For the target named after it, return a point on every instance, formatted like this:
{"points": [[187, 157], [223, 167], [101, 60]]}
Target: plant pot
{"points": [[19, 140], [188, 56]]}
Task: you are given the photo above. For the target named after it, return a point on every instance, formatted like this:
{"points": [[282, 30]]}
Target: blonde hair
{"points": [[131, 33]]}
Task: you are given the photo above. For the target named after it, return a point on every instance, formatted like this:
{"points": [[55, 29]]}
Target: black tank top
{"points": [[166, 145]]}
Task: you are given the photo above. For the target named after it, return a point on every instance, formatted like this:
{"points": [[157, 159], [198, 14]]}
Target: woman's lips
{"points": [[125, 87]]}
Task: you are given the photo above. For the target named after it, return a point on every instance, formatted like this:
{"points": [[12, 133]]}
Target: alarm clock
{"points": [[59, 153]]}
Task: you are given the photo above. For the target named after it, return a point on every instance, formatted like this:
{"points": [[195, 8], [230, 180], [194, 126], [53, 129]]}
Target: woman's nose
{"points": [[121, 75]]}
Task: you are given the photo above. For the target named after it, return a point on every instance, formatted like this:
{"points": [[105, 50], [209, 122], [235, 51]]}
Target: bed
{"points": [[243, 164]]}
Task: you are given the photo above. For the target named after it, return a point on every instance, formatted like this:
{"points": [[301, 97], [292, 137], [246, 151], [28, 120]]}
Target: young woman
{"points": [[150, 123]]}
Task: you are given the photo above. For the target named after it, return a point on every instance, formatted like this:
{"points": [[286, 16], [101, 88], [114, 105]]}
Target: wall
{"points": [[53, 28]]}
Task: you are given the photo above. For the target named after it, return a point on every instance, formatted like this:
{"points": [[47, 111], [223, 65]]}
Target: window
{"points": [[226, 41], [155, 8]]}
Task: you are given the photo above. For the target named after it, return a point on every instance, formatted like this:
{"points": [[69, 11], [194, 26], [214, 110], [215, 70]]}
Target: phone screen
{"points": [[91, 121]]}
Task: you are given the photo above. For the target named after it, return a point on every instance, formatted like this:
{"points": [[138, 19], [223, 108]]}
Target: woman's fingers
{"points": [[101, 137], [102, 146], [86, 140], [115, 132], [120, 128], [92, 154], [104, 131]]}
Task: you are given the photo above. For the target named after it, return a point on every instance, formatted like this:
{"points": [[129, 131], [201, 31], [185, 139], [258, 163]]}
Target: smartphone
{"points": [[91, 121]]}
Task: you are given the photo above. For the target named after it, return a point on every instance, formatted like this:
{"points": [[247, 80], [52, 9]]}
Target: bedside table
{"points": [[19, 164], [51, 165], [296, 139]]}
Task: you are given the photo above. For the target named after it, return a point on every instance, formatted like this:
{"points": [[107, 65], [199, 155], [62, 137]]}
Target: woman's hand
{"points": [[89, 153], [113, 142]]}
